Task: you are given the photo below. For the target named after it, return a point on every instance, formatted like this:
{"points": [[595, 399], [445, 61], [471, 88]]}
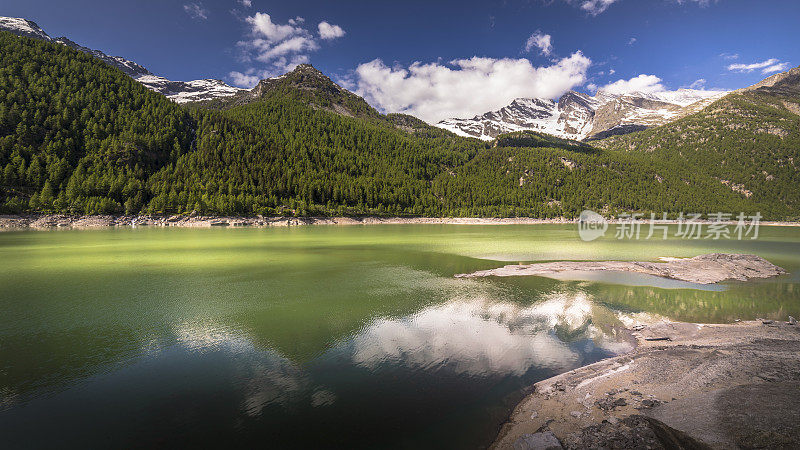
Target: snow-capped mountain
{"points": [[188, 91], [178, 91], [580, 116], [23, 27]]}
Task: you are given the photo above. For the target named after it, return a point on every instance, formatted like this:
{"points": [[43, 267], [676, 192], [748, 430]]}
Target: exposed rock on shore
{"points": [[703, 269], [47, 221], [703, 386]]}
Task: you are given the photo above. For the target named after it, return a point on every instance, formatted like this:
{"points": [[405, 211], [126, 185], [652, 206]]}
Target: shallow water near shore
{"points": [[323, 336]]}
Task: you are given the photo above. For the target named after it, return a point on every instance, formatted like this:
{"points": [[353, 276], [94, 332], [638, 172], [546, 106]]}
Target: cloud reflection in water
{"points": [[481, 337], [470, 337]]}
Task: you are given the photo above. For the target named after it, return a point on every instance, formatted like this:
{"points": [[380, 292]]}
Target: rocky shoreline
{"points": [[49, 221], [687, 386], [704, 269]]}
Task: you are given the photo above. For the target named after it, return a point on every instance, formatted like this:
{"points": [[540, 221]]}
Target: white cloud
{"points": [[464, 87], [280, 46], [251, 76], [768, 66], [243, 79], [776, 68], [328, 31], [595, 7], [729, 56], [752, 67], [611, 71], [632, 41], [541, 41], [245, 3], [262, 25], [652, 86], [297, 44], [698, 84], [702, 3], [642, 83], [196, 11]]}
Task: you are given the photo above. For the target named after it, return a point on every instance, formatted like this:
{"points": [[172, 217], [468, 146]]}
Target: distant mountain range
{"points": [[179, 91], [580, 116], [574, 116], [301, 145]]}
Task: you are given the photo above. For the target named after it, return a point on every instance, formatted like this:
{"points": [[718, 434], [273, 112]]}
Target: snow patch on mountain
{"points": [[579, 116], [178, 91], [23, 27], [188, 91], [686, 97]]}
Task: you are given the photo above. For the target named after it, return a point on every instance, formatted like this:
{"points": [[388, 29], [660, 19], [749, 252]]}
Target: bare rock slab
{"points": [[757, 415], [538, 441], [704, 269], [708, 386]]}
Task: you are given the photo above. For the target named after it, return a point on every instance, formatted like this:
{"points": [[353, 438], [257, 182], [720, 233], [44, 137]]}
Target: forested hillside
{"points": [[748, 142], [279, 156], [77, 136]]}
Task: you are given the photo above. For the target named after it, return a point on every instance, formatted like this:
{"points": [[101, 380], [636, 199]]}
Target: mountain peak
{"points": [[23, 27], [308, 85], [306, 68], [306, 73], [304, 77], [774, 80]]}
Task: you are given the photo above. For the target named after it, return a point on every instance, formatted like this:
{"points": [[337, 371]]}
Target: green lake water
{"points": [[319, 337]]}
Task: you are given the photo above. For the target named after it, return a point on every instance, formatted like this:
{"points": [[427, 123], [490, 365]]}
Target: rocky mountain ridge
{"points": [[304, 82], [575, 116], [580, 116], [774, 80], [178, 91]]}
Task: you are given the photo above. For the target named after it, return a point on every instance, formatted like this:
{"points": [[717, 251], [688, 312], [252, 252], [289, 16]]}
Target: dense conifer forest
{"points": [[80, 137]]}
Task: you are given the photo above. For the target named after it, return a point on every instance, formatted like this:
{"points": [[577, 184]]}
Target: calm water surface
{"points": [[321, 336]]}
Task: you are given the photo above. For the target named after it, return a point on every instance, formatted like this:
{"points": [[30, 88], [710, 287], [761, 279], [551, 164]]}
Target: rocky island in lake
{"points": [[703, 269]]}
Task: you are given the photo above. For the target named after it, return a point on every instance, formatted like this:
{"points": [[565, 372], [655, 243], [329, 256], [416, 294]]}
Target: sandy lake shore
{"points": [[686, 386], [49, 221]]}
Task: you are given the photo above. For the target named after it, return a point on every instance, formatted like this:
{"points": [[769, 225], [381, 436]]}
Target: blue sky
{"points": [[372, 46]]}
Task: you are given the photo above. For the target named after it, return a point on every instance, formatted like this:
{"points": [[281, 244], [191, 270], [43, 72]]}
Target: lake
{"points": [[323, 336]]}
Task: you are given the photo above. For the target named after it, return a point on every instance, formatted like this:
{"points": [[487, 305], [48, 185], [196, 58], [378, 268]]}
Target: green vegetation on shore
{"points": [[77, 136]]}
